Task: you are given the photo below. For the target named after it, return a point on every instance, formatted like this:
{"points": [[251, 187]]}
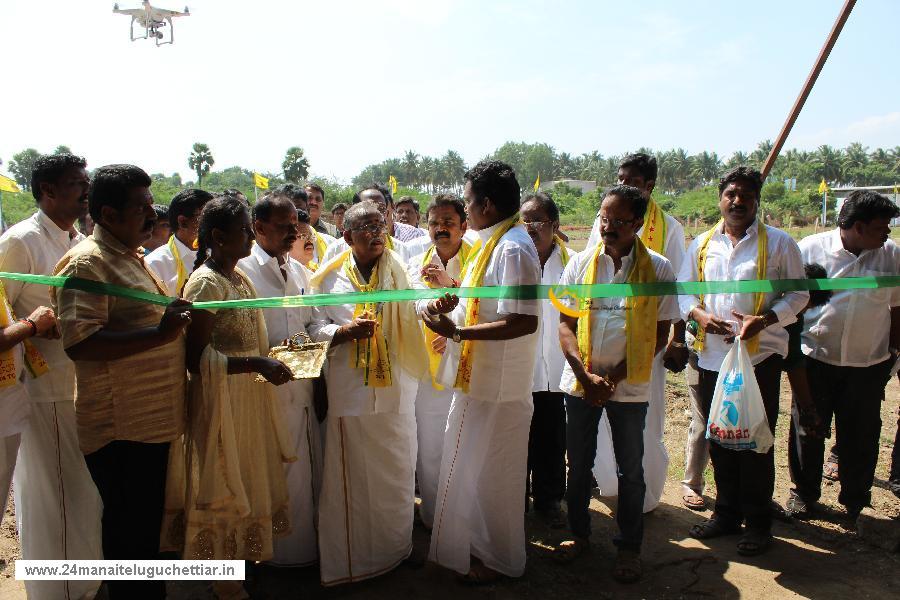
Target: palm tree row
{"points": [[678, 170]]}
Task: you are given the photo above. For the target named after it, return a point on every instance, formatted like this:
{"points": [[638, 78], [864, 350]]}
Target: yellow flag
{"points": [[392, 181], [823, 187], [537, 183], [8, 185], [260, 181]]}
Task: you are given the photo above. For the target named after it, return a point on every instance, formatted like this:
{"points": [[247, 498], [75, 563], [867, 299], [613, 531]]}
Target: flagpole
{"points": [[807, 87]]}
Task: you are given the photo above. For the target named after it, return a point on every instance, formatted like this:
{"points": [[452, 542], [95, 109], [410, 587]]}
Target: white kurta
{"points": [[300, 546], [481, 494], [656, 457], [368, 482], [432, 405], [165, 265], [58, 508]]}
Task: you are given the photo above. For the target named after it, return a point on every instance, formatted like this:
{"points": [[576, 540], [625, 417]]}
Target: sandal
{"points": [[569, 550], [754, 543], [830, 471], [628, 567], [481, 575], [712, 528], [693, 501]]}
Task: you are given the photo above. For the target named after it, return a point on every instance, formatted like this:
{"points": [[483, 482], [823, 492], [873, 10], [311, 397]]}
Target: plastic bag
{"points": [[737, 416]]}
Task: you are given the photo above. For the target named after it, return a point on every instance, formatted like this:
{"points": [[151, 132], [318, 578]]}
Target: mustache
{"points": [[442, 234], [612, 235]]}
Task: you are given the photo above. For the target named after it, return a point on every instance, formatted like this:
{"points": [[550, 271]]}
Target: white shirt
{"points": [[853, 328], [725, 262], [36, 245], [266, 275], [281, 323], [549, 362], [501, 370], [347, 396], [608, 336], [406, 233], [163, 264], [453, 269]]}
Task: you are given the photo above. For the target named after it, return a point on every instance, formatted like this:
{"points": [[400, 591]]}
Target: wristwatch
{"points": [[675, 344], [456, 335]]}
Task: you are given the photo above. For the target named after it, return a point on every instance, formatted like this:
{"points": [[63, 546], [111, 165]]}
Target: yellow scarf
{"points": [[640, 318], [434, 359], [475, 270], [35, 363], [654, 232], [321, 247], [371, 353], [181, 274], [563, 251], [398, 323], [762, 246]]}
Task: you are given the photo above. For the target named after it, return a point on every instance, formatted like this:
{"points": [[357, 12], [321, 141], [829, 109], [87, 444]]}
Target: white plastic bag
{"points": [[737, 416]]}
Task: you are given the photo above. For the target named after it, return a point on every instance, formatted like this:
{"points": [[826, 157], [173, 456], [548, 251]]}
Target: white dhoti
{"points": [[481, 495], [656, 458], [58, 508], [432, 409], [368, 495], [9, 449], [14, 410], [304, 476]]}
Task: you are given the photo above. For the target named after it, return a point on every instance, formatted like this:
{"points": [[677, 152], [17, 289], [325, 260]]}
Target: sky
{"points": [[354, 82]]}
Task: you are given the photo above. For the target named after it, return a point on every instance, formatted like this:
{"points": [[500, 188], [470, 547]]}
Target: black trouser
{"points": [[547, 450], [853, 395], [131, 479], [745, 480], [895, 455]]}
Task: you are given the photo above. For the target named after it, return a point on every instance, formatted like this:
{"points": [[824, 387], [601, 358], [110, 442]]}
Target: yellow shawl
{"points": [[34, 361], [397, 333], [640, 318], [475, 271], [762, 252], [654, 232]]}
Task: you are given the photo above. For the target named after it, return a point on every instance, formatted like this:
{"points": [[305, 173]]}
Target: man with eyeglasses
{"points": [[440, 265], [376, 357], [663, 234], [610, 349], [173, 262], [547, 440], [399, 235], [275, 274]]}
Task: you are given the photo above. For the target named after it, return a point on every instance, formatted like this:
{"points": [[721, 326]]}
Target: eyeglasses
{"points": [[536, 225], [371, 229], [616, 223], [306, 237]]}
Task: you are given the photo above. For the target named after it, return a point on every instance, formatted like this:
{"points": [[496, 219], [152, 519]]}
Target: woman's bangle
{"points": [[34, 329]]}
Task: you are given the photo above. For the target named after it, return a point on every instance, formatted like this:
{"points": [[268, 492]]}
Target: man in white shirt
{"points": [[851, 343], [612, 369], [481, 495], [663, 234], [408, 211], [173, 262], [740, 247], [546, 477], [440, 265], [398, 234], [376, 358], [274, 274], [57, 505]]}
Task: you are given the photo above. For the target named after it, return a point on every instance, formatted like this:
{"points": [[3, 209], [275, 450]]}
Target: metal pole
{"points": [[807, 87]]}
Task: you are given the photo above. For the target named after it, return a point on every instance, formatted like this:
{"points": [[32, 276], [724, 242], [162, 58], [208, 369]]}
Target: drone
{"points": [[152, 20]]}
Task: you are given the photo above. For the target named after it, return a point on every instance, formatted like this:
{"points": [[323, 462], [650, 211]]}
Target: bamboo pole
{"points": [[807, 87]]}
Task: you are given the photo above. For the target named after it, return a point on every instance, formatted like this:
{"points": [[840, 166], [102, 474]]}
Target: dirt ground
{"points": [[824, 558]]}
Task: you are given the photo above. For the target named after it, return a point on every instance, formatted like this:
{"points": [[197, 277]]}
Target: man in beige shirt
{"points": [[130, 370]]}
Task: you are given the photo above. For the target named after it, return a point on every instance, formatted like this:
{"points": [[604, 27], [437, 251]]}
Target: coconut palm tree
{"points": [[410, 168], [829, 162], [201, 160]]}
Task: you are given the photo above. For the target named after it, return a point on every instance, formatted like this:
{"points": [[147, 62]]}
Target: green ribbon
{"points": [[519, 292]]}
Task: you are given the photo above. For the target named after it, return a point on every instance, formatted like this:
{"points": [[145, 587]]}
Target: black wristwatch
{"points": [[456, 335]]}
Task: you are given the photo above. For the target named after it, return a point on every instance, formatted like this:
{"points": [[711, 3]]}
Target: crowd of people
{"points": [[134, 428]]}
